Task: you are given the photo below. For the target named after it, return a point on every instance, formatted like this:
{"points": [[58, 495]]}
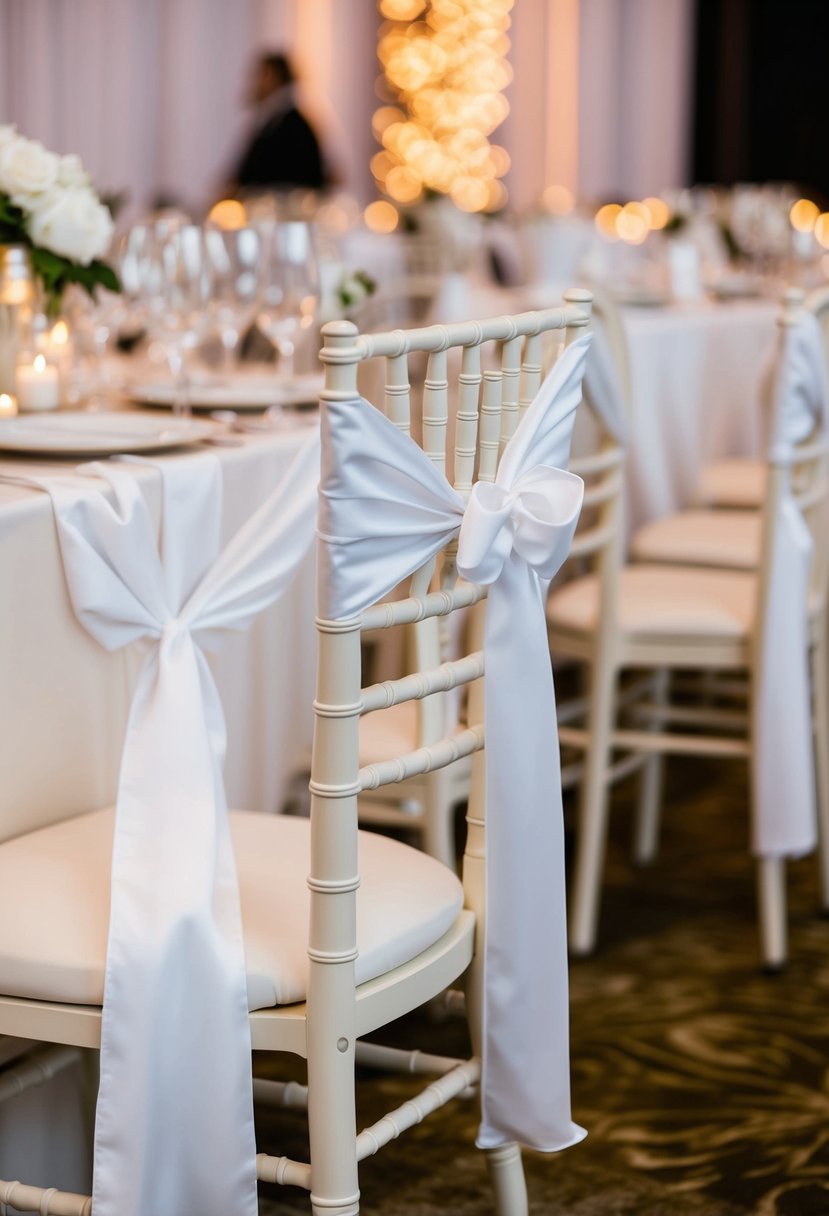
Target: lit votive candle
{"points": [[38, 385], [8, 405]]}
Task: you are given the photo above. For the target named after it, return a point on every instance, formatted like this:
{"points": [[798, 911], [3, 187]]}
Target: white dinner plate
{"points": [[97, 434], [242, 392]]}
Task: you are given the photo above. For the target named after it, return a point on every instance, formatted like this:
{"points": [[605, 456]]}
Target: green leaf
{"points": [[55, 272]]}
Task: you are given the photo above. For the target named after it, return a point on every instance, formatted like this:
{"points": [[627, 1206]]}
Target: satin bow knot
{"points": [[535, 519]]}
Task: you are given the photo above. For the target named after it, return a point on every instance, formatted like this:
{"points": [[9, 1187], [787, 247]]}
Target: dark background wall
{"points": [[762, 93]]}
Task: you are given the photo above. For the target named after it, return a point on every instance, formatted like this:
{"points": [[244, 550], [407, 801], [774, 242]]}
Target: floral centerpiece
{"points": [[48, 204]]}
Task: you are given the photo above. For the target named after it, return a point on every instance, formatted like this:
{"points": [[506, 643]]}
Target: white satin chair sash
{"points": [[174, 1126], [384, 510], [602, 390], [786, 817]]}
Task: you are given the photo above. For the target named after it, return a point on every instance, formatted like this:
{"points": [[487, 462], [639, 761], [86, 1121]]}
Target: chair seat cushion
{"points": [[738, 482], [701, 538], [663, 601], [55, 895]]}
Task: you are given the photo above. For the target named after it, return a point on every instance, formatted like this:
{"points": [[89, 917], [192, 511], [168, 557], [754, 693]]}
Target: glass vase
{"points": [[17, 297]]}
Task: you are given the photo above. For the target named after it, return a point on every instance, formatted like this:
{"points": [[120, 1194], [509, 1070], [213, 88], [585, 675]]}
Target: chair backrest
{"points": [[499, 375], [488, 405]]}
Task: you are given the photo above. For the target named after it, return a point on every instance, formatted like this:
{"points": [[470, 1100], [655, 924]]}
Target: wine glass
{"points": [[175, 283], [235, 257], [290, 288]]}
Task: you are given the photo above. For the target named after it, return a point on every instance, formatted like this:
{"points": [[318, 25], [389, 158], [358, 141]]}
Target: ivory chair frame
{"points": [[426, 803], [717, 495], [325, 1028], [608, 650], [647, 817]]}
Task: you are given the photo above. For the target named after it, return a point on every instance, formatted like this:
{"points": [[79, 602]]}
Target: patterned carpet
{"points": [[704, 1084]]}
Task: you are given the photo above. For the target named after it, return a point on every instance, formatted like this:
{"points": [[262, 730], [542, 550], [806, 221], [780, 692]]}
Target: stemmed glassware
{"points": [[174, 279], [290, 288], [236, 265]]}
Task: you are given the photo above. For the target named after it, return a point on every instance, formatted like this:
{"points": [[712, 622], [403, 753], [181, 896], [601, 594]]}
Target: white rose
{"points": [[26, 167], [7, 133], [71, 172], [73, 224]]}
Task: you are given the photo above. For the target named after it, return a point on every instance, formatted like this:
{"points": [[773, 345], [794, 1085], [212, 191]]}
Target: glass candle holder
{"points": [[17, 295]]}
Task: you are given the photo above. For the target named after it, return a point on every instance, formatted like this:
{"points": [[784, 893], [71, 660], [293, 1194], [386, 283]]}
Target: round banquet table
{"points": [[695, 370], [695, 373], [63, 714]]}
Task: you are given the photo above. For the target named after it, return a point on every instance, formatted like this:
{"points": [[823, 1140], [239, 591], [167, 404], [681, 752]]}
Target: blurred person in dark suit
{"points": [[283, 151]]}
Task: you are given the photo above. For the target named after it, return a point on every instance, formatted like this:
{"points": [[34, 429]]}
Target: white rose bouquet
{"points": [[47, 203]]}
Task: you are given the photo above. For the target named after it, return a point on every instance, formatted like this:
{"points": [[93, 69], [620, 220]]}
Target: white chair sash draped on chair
{"points": [[760, 622], [785, 822], [384, 512], [174, 1123]]}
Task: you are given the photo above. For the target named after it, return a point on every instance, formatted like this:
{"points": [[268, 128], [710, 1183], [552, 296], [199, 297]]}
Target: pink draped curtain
{"points": [[149, 92]]}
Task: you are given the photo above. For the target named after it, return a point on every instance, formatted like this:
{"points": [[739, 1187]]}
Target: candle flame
{"points": [[5, 402], [60, 333], [40, 365]]}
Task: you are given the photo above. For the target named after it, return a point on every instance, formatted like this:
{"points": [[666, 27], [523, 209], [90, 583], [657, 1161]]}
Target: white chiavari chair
{"points": [[739, 482], [326, 964], [730, 536], [666, 617]]}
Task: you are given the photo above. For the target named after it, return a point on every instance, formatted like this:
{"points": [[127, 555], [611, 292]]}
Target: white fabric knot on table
{"points": [[384, 511], [174, 1123]]}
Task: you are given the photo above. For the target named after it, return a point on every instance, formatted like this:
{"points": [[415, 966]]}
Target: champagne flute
{"points": [[176, 279], [290, 289], [235, 257]]}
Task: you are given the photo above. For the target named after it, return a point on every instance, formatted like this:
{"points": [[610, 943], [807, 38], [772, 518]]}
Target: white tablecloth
{"points": [[695, 371], [63, 706]]}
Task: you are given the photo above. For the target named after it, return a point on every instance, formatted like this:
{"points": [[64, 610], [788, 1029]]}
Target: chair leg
{"points": [[506, 1173], [592, 819], [820, 699], [91, 1079], [771, 904], [332, 1117], [646, 826]]}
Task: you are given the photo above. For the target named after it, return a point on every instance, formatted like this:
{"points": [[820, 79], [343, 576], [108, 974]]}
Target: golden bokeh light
{"points": [[659, 212], [606, 220], [228, 214], [558, 200], [384, 117], [402, 10], [403, 184], [803, 215], [381, 217], [444, 72], [822, 229], [633, 223]]}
